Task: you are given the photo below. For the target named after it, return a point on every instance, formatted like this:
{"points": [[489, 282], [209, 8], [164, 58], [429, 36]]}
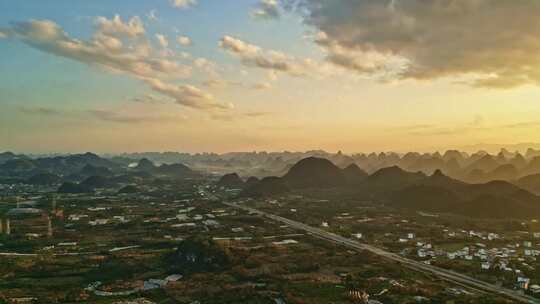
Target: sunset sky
{"points": [[245, 75]]}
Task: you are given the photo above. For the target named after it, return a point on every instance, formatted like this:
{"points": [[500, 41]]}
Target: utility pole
{"points": [[54, 204], [8, 227]]}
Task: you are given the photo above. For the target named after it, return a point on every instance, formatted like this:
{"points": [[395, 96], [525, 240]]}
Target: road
{"points": [[448, 275]]}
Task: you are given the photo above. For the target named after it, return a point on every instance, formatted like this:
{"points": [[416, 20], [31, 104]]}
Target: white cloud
{"points": [[252, 55], [184, 40], [266, 9], [152, 15], [187, 95], [116, 27], [115, 46], [497, 42], [162, 40], [120, 47], [238, 46], [183, 4]]}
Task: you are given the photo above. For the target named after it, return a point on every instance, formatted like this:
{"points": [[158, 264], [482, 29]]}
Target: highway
{"points": [[448, 275]]}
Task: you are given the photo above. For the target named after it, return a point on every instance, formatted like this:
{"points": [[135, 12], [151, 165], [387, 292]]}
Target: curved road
{"points": [[448, 275]]}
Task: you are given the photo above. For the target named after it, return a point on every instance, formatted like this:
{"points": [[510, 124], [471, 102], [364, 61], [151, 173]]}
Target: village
{"points": [[109, 247], [504, 253]]}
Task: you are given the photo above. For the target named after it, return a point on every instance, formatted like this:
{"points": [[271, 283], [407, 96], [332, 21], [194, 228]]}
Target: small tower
{"points": [[8, 227], [1, 226], [49, 227], [18, 200]]}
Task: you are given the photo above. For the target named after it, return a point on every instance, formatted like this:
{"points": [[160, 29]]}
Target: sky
{"points": [[252, 75]]}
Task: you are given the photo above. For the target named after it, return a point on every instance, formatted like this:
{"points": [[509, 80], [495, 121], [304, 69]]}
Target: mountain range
{"points": [[414, 191]]}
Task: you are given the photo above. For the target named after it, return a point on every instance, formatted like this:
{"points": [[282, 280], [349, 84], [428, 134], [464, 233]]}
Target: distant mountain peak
{"points": [[145, 164], [231, 180], [314, 172]]}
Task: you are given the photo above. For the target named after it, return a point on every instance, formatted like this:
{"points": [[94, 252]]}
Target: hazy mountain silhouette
{"points": [[353, 174], [90, 170], [231, 180], [414, 191], [73, 188], [145, 165], [174, 170], [97, 181], [268, 186], [314, 172], [530, 183], [44, 179]]}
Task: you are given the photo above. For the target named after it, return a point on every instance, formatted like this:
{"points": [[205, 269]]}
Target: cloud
{"points": [[116, 27], [152, 15], [40, 111], [266, 9], [496, 43], [187, 95], [256, 114], [147, 98], [162, 40], [261, 86], [183, 4], [110, 116], [252, 55], [116, 46], [236, 116], [207, 66], [220, 83], [184, 40], [121, 47]]}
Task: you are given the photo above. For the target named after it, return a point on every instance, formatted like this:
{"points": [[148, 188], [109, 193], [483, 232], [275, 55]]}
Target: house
{"points": [[182, 217], [285, 242], [527, 244], [410, 236], [211, 223], [97, 222], [184, 225], [535, 289], [486, 266], [173, 277], [67, 244], [523, 282], [492, 236]]}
